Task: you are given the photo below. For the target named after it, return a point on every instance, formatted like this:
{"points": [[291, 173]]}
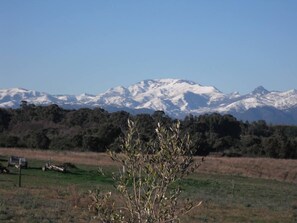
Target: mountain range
{"points": [[177, 98]]}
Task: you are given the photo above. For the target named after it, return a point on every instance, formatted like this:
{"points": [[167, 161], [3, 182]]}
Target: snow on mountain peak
{"points": [[171, 84], [12, 97], [13, 91], [260, 90], [176, 97]]}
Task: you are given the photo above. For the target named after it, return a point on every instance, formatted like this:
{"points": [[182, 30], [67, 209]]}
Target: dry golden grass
{"points": [[266, 168], [88, 158]]}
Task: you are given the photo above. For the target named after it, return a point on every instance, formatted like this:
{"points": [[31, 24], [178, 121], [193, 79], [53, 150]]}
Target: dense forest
{"points": [[51, 127]]}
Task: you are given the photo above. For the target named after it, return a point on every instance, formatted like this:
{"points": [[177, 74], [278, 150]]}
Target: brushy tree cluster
{"points": [[55, 128], [146, 189]]}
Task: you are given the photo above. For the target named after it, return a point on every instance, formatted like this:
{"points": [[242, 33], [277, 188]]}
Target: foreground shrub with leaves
{"points": [[145, 185]]}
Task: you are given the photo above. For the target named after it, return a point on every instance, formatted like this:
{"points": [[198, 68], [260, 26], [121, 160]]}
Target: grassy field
{"points": [[230, 192]]}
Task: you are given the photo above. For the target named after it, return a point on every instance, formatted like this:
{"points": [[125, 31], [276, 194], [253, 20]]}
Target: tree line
{"points": [[52, 127]]}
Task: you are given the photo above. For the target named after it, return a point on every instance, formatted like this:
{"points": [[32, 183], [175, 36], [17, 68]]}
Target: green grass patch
{"points": [[238, 190], [81, 175], [63, 197]]}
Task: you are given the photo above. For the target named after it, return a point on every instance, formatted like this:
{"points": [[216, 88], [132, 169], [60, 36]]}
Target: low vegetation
{"points": [[147, 186], [227, 194], [284, 170]]}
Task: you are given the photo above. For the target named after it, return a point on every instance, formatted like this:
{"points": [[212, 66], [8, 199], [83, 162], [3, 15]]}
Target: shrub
{"points": [[146, 189]]}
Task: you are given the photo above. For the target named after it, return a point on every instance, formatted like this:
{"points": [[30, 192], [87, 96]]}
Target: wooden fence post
{"points": [[20, 173]]}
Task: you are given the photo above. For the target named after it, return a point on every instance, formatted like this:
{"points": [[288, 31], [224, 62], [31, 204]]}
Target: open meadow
{"points": [[231, 189]]}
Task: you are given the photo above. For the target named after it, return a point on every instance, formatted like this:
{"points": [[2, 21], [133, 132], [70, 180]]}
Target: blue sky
{"points": [[63, 46]]}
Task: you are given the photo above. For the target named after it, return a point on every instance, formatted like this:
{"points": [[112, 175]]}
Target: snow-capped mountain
{"points": [[175, 97]]}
